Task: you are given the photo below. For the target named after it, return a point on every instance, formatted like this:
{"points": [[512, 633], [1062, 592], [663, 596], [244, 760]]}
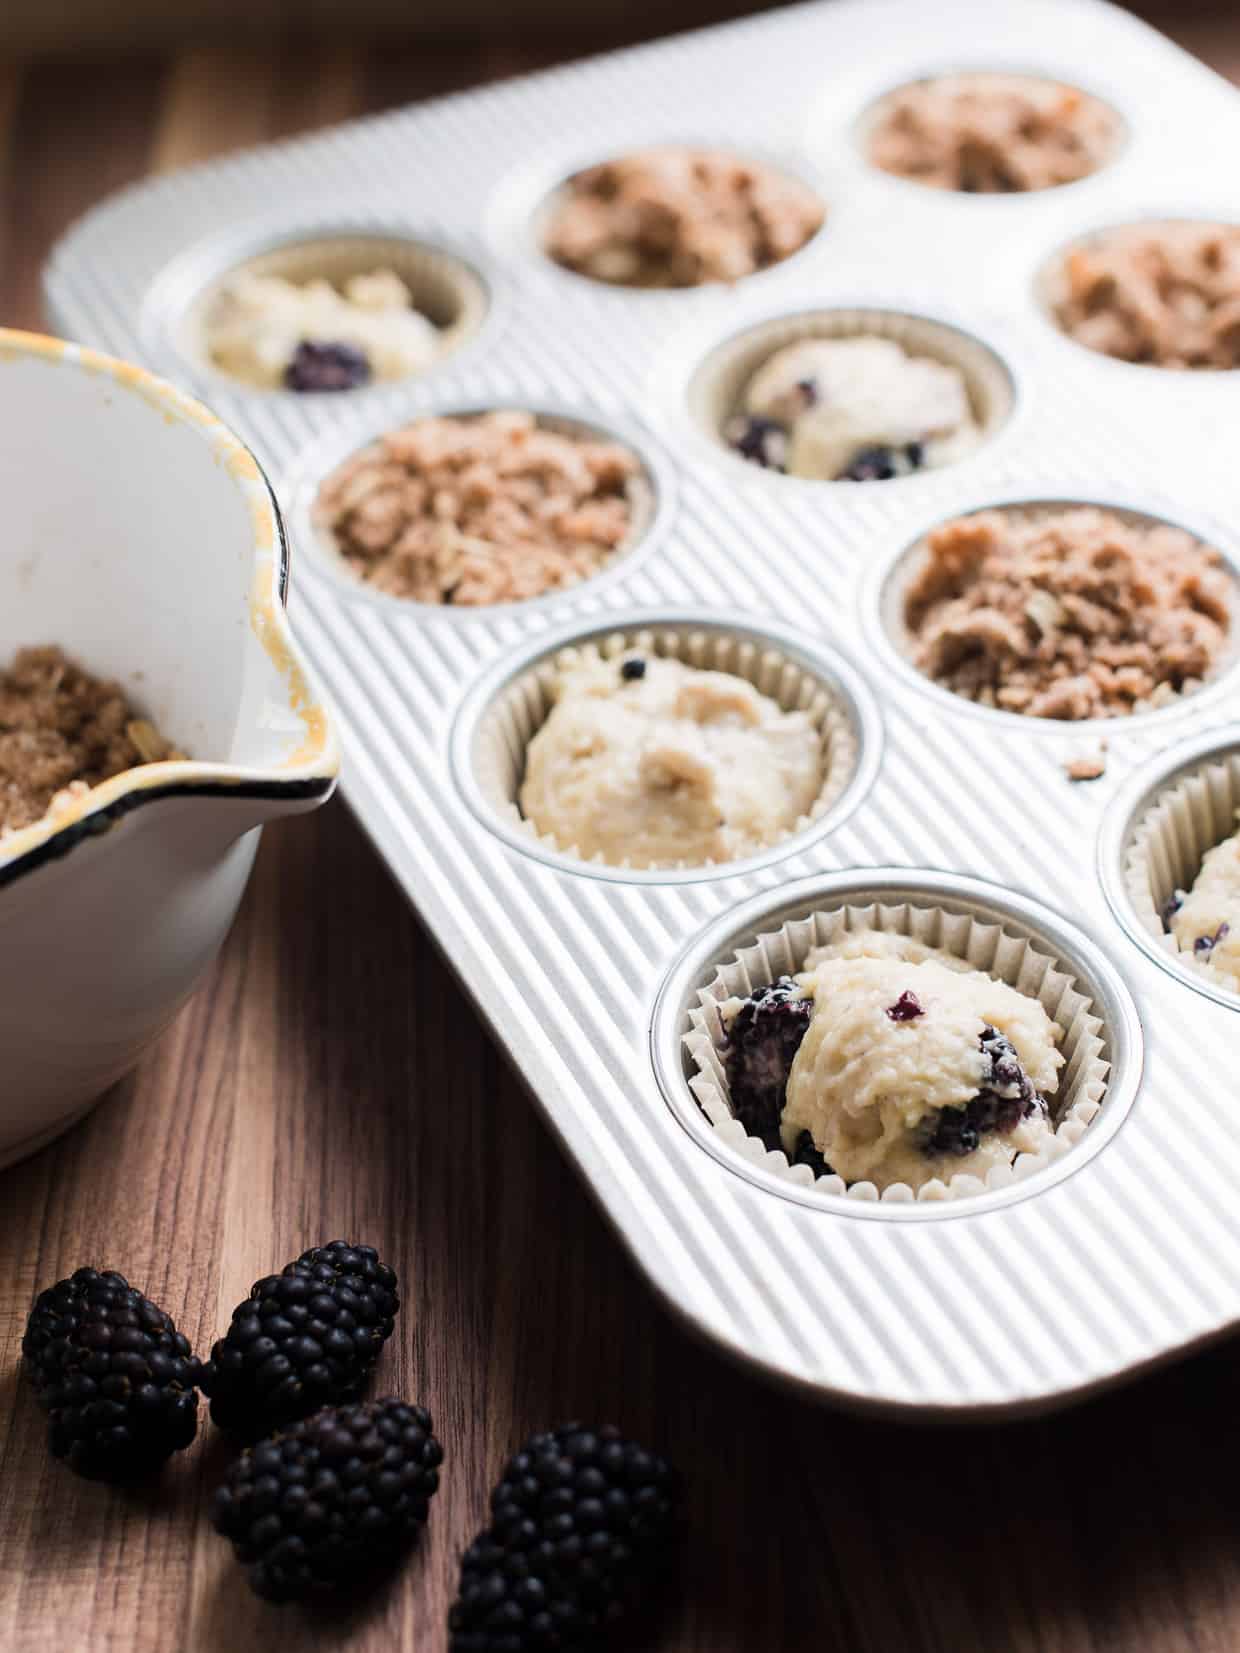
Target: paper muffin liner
{"points": [[640, 490], [717, 388], [1169, 843], [1033, 969], [520, 710], [444, 287], [891, 603]]}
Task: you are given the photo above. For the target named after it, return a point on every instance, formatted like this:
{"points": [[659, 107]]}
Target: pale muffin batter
{"points": [[860, 409], [649, 762], [271, 332], [1206, 921]]}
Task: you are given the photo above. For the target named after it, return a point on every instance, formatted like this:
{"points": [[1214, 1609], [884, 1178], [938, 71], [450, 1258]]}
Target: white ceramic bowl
{"points": [[141, 537]]}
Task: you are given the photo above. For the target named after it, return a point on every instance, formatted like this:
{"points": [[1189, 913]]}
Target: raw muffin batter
{"points": [[1167, 295], [1067, 614], [992, 134], [63, 731], [651, 762], [492, 508], [858, 409], [677, 217], [270, 332], [889, 1062], [1206, 921]]}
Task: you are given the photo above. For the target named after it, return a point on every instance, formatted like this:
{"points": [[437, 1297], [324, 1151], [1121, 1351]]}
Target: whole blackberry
{"points": [[327, 366], [581, 1525], [1007, 1096], [764, 1037], [115, 1376], [331, 1499], [305, 1338]]}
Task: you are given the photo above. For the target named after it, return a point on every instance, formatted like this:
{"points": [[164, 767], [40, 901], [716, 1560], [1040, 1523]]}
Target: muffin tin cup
{"points": [[883, 606], [503, 715], [652, 496], [1154, 843], [445, 286], [994, 932], [717, 384]]}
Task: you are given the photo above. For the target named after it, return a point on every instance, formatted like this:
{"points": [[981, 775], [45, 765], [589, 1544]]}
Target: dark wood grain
{"points": [[331, 1079]]}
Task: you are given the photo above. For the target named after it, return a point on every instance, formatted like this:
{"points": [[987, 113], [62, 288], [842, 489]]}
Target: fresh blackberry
{"points": [[331, 1499], [762, 440], [764, 1036], [327, 365], [303, 1339], [581, 1525], [115, 1376], [633, 669], [1006, 1097]]}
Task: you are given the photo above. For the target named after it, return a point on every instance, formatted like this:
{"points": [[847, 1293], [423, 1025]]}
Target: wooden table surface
{"points": [[331, 1079]]}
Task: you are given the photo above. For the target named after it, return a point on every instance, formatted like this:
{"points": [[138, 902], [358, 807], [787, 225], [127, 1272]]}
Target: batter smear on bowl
{"points": [[988, 134], [1163, 295], [1071, 613], [484, 508], [679, 217], [647, 762], [886, 1061], [63, 731]]}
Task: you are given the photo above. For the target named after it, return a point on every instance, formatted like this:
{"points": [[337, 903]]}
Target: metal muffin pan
{"points": [[1127, 1250]]}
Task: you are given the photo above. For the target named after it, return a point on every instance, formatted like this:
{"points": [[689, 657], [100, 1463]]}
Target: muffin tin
{"points": [[1124, 1250]]}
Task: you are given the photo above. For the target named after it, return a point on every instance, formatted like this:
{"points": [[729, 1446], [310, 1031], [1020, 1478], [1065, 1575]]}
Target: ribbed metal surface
{"points": [[1134, 1255]]}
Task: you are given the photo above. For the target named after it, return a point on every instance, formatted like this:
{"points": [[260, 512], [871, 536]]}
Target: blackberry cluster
{"points": [[763, 1039], [303, 1339], [331, 1499], [1007, 1096], [581, 1525], [327, 366], [115, 1376]]}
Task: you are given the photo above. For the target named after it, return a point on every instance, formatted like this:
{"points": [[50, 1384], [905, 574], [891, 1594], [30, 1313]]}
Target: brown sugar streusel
{"points": [[990, 134], [63, 731], [1166, 295], [1067, 614], [480, 508], [679, 217]]}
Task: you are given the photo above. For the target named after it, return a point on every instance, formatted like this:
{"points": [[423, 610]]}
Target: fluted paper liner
{"points": [[1169, 843], [639, 491], [514, 718], [1031, 969], [891, 601], [444, 288], [717, 388]]}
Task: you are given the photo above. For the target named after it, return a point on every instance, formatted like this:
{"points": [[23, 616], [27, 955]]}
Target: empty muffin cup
{"points": [[1005, 947], [716, 393], [442, 287], [1190, 815], [953, 653], [495, 730]]}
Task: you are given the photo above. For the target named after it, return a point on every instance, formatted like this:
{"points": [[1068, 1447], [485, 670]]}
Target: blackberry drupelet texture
{"points": [[581, 1528], [763, 1038], [1006, 1097], [115, 1376], [305, 1338], [332, 1499]]}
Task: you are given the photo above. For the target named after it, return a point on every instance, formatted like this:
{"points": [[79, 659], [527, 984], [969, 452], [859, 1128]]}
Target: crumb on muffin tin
{"points": [[475, 509], [63, 731], [1067, 613], [1157, 294], [988, 134], [677, 216]]}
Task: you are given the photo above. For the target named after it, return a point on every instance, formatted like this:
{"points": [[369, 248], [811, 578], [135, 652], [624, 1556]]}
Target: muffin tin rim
{"points": [[1140, 792], [192, 271], [299, 487], [1085, 959], [873, 594], [824, 661]]}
